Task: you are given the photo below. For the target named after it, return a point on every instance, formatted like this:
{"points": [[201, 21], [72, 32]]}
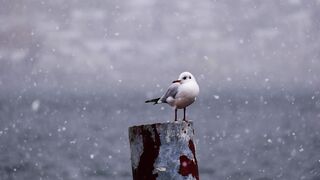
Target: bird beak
{"points": [[176, 81]]}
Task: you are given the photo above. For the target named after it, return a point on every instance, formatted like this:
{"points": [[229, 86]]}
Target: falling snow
{"points": [[74, 76]]}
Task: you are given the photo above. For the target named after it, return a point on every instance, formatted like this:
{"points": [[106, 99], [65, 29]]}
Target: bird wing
{"points": [[171, 92]]}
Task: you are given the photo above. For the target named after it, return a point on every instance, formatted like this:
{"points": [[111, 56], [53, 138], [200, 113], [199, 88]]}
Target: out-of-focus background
{"points": [[74, 76]]}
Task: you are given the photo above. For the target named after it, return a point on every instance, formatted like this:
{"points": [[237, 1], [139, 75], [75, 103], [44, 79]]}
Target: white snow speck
{"points": [[247, 131], [91, 156], [184, 164], [35, 105], [301, 149]]}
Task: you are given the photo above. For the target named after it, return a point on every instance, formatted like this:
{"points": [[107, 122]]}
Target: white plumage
{"points": [[180, 94]]}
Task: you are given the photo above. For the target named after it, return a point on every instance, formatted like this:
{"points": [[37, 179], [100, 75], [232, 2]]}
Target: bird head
{"points": [[185, 77]]}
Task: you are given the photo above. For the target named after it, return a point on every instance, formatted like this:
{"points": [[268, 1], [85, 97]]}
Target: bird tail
{"points": [[154, 101]]}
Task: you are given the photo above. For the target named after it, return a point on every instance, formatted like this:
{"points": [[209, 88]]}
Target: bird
{"points": [[180, 94]]}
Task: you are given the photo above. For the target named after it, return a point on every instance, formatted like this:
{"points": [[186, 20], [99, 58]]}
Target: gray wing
{"points": [[172, 91]]}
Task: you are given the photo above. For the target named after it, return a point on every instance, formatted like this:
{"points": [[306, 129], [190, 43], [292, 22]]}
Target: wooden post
{"points": [[163, 151]]}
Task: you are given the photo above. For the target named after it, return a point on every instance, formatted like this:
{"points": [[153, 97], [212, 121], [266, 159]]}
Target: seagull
{"points": [[180, 94]]}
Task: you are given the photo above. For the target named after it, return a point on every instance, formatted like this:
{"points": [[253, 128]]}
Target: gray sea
{"points": [[240, 137]]}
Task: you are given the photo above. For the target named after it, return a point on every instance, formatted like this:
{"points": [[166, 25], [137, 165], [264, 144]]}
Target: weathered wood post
{"points": [[163, 151]]}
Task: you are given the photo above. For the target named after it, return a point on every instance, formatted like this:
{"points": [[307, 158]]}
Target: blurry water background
{"points": [[74, 76]]}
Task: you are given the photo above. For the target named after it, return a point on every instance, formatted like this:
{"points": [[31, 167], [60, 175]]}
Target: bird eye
{"points": [[189, 77], [184, 78]]}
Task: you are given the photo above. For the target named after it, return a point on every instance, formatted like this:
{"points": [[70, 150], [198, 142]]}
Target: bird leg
{"points": [[175, 114], [184, 114]]}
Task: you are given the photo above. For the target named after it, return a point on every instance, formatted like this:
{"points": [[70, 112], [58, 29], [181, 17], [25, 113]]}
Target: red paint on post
{"points": [[188, 166], [144, 171], [193, 150]]}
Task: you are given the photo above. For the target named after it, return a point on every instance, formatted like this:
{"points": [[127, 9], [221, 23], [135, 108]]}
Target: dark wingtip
{"points": [[155, 101]]}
